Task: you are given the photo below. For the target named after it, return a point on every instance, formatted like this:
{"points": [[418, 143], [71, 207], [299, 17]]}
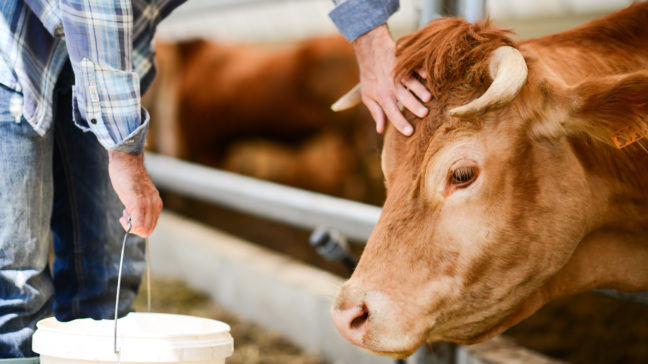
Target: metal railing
{"points": [[269, 200]]}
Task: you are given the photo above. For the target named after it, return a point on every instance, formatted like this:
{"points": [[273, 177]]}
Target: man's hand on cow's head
{"points": [[380, 91], [136, 191]]}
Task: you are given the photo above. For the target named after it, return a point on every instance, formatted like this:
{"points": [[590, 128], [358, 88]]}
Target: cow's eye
{"points": [[462, 176]]}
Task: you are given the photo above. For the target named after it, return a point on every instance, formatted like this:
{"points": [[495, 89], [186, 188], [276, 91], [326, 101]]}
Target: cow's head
{"points": [[480, 211]]}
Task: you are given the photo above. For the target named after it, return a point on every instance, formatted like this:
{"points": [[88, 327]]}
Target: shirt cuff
{"points": [[131, 144], [354, 18], [134, 143], [107, 102]]}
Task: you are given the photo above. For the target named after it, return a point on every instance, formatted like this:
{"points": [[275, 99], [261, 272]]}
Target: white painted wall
{"points": [[503, 9], [285, 20], [269, 21]]}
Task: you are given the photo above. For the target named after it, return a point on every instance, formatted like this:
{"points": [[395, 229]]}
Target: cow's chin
{"points": [[403, 346], [469, 334], [393, 348], [393, 354], [389, 343], [396, 345], [471, 339], [461, 340]]}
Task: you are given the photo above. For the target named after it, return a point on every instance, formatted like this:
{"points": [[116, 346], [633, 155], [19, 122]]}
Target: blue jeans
{"points": [[55, 188]]}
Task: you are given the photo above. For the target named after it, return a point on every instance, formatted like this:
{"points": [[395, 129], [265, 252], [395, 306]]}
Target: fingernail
{"points": [[408, 130], [422, 112], [427, 96]]}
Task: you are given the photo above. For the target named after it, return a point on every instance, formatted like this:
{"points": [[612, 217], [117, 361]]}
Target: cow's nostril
{"points": [[352, 322], [360, 320]]}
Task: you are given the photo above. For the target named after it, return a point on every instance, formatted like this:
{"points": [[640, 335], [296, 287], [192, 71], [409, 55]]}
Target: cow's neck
{"points": [[614, 252], [604, 259]]}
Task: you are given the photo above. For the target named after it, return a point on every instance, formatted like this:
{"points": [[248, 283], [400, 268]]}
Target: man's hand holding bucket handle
{"points": [[380, 91], [136, 191]]}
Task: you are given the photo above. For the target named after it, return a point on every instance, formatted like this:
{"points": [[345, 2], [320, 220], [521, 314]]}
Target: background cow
{"points": [[513, 190], [264, 111]]}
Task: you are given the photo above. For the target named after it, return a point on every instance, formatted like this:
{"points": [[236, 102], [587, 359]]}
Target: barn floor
{"points": [[252, 344]]}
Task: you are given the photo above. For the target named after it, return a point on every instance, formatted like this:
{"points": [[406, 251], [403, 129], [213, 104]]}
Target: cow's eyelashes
{"points": [[463, 176]]}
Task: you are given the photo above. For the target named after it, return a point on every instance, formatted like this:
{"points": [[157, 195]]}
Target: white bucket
{"points": [[141, 338]]}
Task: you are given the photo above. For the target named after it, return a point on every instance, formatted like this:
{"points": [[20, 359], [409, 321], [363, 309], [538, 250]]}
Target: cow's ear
{"points": [[612, 109]]}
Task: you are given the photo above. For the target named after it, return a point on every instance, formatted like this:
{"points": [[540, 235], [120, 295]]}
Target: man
{"points": [[71, 72], [72, 131]]}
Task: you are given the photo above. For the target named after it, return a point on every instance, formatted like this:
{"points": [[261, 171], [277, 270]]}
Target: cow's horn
{"points": [[509, 72], [349, 100]]}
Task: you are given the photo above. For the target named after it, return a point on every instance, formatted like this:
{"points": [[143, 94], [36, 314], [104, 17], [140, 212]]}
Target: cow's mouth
{"points": [[393, 354]]}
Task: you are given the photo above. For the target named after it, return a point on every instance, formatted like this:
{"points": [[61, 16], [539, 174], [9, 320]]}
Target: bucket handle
{"points": [[121, 262], [148, 280]]}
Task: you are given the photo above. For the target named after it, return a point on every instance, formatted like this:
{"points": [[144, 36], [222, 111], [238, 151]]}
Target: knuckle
{"points": [[385, 94]]}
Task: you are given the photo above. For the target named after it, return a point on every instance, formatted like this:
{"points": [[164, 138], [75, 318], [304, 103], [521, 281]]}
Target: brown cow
{"points": [[214, 92], [263, 110], [501, 202]]}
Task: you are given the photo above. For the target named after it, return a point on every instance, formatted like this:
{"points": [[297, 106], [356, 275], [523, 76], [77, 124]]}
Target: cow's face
{"points": [[467, 232], [477, 217]]}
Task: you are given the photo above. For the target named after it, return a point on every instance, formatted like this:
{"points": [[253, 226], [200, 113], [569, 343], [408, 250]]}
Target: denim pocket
{"points": [[11, 104]]}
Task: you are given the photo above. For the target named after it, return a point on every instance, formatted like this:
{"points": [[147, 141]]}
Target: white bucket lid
{"points": [[141, 337]]}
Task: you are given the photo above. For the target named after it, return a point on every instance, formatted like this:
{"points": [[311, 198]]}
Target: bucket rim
{"points": [[220, 327], [76, 340]]}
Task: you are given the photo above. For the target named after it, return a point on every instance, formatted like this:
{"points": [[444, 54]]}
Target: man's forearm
{"points": [[365, 45]]}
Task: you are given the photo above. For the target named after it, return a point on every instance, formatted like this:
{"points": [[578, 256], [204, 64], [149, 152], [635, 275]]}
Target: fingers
{"points": [[418, 89], [124, 220], [377, 113], [143, 216], [397, 119], [387, 106], [410, 102], [136, 191]]}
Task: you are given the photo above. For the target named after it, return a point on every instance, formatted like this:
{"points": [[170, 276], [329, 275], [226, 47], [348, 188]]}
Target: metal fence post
{"points": [[430, 10], [435, 353], [471, 10]]}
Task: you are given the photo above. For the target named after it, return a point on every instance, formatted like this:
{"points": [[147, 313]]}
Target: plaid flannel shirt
{"points": [[109, 45]]}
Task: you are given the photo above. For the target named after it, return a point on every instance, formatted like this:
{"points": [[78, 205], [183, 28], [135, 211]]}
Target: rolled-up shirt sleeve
{"points": [[354, 18], [106, 94]]}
